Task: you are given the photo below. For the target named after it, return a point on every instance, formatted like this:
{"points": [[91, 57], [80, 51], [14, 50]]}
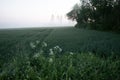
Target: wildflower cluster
{"points": [[44, 44], [71, 53], [37, 44], [50, 60], [51, 52], [32, 45], [57, 49]]}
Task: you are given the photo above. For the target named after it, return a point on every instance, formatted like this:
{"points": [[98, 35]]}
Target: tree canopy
{"points": [[97, 14]]}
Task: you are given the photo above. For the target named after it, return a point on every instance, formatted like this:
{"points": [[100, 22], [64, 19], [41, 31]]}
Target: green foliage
{"points": [[13, 42], [60, 66], [73, 14], [102, 14]]}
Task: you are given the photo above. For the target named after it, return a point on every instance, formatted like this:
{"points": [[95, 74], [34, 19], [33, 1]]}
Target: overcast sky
{"points": [[30, 13]]}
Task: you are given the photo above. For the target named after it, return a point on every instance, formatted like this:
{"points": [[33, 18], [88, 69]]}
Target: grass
{"points": [[59, 66], [83, 54], [81, 40]]}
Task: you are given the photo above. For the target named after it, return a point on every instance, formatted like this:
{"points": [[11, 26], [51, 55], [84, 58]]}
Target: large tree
{"points": [[98, 14]]}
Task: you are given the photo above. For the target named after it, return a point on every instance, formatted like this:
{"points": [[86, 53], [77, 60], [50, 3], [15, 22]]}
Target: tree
{"points": [[97, 14], [73, 14]]}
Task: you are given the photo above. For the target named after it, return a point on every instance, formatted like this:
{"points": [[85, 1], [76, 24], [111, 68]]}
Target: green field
{"points": [[15, 51]]}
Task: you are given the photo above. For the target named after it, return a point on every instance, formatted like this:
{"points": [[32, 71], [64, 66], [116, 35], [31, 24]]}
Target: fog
{"points": [[35, 13]]}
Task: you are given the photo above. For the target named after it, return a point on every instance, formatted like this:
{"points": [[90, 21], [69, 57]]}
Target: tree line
{"points": [[97, 14]]}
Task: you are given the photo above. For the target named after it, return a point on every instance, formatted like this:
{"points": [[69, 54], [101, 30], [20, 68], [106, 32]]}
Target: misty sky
{"points": [[30, 13]]}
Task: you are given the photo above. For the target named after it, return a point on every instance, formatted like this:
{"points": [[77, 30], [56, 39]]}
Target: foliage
{"points": [[60, 66], [17, 41], [99, 14]]}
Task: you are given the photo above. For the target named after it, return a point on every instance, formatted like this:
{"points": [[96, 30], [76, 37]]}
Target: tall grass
{"points": [[60, 66]]}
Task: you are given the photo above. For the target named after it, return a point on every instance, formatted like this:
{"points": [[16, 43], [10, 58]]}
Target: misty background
{"points": [[35, 13]]}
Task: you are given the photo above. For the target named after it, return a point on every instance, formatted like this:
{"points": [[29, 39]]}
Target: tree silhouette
{"points": [[97, 14]]}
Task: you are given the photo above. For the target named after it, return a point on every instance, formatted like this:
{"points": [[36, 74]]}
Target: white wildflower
{"points": [[36, 55], [71, 53], [44, 44], [37, 42], [50, 60], [57, 47], [60, 50], [32, 45], [51, 52]]}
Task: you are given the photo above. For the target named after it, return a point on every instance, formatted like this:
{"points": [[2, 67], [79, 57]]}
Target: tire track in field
{"points": [[21, 45], [38, 35], [42, 35], [34, 35], [44, 39]]}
